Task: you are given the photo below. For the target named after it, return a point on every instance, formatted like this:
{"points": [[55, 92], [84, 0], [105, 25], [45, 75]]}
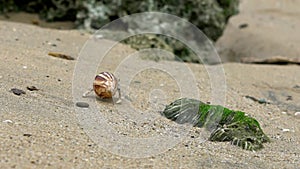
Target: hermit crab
{"points": [[105, 86]]}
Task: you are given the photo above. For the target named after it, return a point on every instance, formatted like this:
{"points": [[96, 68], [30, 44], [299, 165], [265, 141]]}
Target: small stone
{"points": [[27, 135], [285, 130], [297, 114], [283, 112], [17, 91], [261, 101], [99, 36], [289, 98], [24, 67], [7, 121], [82, 104], [32, 88], [61, 55], [244, 25], [296, 86]]}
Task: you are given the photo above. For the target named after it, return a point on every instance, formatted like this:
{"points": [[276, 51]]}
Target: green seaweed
{"points": [[224, 124]]}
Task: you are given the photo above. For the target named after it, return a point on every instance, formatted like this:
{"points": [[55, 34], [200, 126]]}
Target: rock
{"points": [[82, 104], [7, 121], [285, 130], [27, 134], [32, 88], [17, 91], [272, 34], [271, 60]]}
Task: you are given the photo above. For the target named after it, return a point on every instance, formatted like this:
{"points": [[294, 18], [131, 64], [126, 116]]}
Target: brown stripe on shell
{"points": [[107, 74], [100, 78]]}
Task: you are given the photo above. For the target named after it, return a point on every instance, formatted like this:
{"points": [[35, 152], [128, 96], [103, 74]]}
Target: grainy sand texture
{"points": [[41, 127]]}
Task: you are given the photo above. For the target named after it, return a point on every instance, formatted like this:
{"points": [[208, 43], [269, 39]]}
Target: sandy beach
{"points": [[41, 126], [41, 129]]}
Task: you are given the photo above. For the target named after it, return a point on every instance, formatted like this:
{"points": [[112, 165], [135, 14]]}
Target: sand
{"points": [[43, 129]]}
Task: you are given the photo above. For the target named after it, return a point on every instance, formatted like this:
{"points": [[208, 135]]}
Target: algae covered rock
{"points": [[224, 124]]}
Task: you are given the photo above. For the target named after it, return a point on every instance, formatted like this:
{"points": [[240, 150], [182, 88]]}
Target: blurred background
{"points": [[249, 31]]}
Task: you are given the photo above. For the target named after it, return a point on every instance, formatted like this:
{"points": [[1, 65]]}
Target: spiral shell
{"points": [[105, 85]]}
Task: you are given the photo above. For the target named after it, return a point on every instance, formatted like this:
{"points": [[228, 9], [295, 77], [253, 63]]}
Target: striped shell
{"points": [[105, 85]]}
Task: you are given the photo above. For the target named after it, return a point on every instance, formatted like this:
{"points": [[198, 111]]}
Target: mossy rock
{"points": [[224, 124]]}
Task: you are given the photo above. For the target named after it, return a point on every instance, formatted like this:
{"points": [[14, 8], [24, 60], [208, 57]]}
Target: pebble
{"points": [[297, 114], [285, 130], [244, 25], [27, 134], [296, 86], [32, 88], [99, 36], [7, 121], [283, 112], [82, 104], [261, 101], [17, 91], [289, 98]]}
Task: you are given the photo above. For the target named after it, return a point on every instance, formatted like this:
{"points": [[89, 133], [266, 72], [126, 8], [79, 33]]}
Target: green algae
{"points": [[223, 123]]}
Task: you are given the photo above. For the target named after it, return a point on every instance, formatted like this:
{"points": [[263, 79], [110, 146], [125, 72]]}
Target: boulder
{"points": [[262, 31]]}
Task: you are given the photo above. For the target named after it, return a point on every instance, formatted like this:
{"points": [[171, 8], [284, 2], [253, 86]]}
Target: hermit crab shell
{"points": [[105, 85]]}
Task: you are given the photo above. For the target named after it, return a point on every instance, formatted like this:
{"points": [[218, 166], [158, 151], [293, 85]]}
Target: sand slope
{"points": [[40, 128]]}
